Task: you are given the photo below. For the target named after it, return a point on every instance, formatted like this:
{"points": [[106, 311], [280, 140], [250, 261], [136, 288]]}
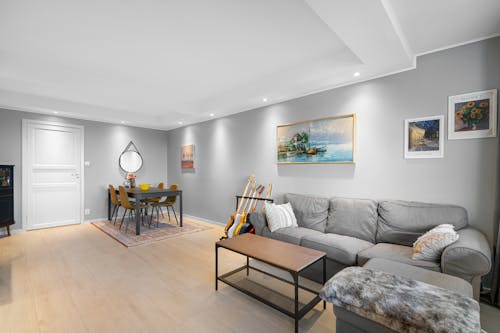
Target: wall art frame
{"points": [[473, 115], [424, 137], [329, 140]]}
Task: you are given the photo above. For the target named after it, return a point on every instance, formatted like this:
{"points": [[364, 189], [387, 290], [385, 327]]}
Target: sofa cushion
{"points": [[292, 235], [343, 249], [353, 217], [402, 222], [311, 212], [397, 253]]}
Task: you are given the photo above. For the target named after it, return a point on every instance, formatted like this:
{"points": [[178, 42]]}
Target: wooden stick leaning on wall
{"points": [[233, 216]]}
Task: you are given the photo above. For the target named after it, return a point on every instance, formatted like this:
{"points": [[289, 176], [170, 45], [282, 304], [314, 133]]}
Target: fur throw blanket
{"points": [[402, 304]]}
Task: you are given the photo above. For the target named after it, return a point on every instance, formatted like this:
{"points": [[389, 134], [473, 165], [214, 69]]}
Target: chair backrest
{"points": [[160, 186], [113, 196], [171, 199], [124, 198]]}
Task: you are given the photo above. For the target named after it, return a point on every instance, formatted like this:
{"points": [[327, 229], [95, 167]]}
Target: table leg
{"points": [[248, 266], [296, 287], [109, 206], [216, 267], [180, 208], [137, 215], [324, 278]]}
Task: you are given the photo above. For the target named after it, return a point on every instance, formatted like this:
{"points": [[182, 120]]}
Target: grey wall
{"points": [[103, 145], [231, 148]]}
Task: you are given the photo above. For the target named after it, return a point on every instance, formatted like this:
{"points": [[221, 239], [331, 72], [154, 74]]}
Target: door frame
{"points": [[26, 179]]}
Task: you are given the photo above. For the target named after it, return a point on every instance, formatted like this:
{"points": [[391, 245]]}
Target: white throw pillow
{"points": [[280, 216], [430, 245]]}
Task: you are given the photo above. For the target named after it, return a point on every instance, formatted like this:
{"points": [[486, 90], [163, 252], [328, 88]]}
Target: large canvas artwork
{"points": [[328, 140], [187, 157]]}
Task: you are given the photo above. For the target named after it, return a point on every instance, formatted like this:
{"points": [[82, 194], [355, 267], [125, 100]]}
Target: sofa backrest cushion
{"points": [[402, 222], [353, 217], [311, 212]]}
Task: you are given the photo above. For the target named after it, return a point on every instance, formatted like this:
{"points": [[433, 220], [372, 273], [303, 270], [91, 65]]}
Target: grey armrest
{"points": [[258, 220], [469, 256]]}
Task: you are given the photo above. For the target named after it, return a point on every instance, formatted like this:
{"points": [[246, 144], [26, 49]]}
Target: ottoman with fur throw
{"points": [[385, 296]]}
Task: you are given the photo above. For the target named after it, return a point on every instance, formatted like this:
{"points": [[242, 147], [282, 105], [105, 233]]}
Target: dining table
{"points": [[139, 194]]}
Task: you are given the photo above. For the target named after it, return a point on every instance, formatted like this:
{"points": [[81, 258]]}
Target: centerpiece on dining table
{"points": [[131, 179]]}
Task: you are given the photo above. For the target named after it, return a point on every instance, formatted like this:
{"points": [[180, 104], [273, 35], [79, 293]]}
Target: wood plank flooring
{"points": [[77, 279]]}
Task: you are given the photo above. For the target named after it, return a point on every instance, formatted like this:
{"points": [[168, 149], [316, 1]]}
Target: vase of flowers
{"points": [[473, 115], [131, 179]]}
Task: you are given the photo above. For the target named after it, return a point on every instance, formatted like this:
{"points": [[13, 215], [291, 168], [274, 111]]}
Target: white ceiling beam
{"points": [[369, 28]]}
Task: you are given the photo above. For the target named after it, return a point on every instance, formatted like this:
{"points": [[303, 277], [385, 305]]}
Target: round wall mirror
{"points": [[130, 160]]}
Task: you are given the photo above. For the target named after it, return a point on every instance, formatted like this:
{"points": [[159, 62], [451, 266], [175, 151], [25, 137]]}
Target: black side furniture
{"points": [[6, 197]]}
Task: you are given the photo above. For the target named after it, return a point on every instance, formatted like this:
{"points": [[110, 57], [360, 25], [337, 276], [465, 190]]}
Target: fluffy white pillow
{"points": [[280, 216], [430, 245]]}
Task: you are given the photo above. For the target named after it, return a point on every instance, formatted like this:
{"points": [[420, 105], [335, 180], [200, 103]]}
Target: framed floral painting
{"points": [[472, 115]]}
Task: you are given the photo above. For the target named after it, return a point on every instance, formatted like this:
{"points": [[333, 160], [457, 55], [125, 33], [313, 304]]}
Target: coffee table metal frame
{"points": [[297, 314]]}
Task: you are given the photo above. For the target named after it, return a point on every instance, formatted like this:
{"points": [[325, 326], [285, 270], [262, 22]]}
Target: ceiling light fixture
{"points": [[56, 112], [264, 99], [179, 122], [357, 74], [212, 114], [123, 121]]}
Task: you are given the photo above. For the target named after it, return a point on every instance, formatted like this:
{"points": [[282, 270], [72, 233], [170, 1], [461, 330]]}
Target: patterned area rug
{"points": [[148, 235]]}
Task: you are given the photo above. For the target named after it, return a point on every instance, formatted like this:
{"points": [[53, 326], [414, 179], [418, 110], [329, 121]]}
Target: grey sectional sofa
{"points": [[352, 231]]}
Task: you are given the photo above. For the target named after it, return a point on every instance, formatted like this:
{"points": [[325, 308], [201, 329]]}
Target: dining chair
{"points": [[152, 201], [115, 201], [169, 203], [129, 206]]}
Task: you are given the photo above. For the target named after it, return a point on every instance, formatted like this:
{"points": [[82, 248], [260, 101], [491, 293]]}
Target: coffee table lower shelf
{"points": [[290, 306]]}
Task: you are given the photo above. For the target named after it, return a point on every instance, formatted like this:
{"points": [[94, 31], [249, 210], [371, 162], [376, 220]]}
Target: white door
{"points": [[52, 174]]}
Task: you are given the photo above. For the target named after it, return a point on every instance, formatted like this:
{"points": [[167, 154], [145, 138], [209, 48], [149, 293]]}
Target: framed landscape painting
{"points": [[187, 157], [424, 137], [326, 140], [472, 115]]}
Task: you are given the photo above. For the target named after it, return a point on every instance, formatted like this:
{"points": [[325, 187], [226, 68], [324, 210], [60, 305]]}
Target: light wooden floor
{"points": [[77, 279]]}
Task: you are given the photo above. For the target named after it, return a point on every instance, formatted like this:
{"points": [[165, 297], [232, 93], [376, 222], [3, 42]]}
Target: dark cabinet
{"points": [[6, 196]]}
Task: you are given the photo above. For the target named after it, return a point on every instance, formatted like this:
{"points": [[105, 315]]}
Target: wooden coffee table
{"points": [[288, 257]]}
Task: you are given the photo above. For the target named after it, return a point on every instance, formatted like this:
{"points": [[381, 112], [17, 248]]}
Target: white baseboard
{"points": [[95, 220], [205, 220]]}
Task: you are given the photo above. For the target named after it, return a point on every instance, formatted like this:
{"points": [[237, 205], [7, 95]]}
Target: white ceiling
{"points": [[155, 63]]}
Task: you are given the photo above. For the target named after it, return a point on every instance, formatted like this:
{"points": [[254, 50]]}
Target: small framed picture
{"points": [[473, 115], [424, 137], [187, 157]]}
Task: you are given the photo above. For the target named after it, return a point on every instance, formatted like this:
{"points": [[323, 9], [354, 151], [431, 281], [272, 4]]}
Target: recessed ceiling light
{"points": [[123, 121], [56, 112], [357, 74], [212, 114], [179, 122], [264, 99]]}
